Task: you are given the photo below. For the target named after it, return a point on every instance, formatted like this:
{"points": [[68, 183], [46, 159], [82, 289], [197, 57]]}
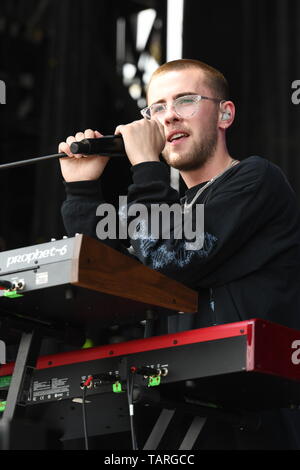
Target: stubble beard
{"points": [[197, 157]]}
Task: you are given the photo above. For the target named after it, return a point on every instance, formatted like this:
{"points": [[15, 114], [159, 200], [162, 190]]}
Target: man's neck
{"points": [[213, 167]]}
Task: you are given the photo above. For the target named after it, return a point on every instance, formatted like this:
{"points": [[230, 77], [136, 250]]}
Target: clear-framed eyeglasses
{"points": [[184, 106]]}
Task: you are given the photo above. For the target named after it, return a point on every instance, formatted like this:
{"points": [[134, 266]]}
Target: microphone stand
{"points": [[114, 147], [30, 161]]}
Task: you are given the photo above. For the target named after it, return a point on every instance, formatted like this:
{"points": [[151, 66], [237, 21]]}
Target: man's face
{"points": [[192, 151]]}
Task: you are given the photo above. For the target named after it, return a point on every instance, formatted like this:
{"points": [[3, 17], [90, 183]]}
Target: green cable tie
{"points": [[2, 405], [154, 381], [117, 387], [12, 294], [89, 343], [5, 381]]}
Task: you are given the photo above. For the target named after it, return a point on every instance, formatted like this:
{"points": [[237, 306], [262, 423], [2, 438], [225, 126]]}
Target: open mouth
{"points": [[177, 138]]}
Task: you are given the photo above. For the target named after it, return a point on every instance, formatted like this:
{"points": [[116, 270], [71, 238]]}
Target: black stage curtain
{"points": [[68, 51], [82, 91], [69, 48], [256, 44]]}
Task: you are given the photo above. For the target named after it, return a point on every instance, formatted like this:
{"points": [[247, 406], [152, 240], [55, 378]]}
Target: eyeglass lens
{"points": [[184, 106]]}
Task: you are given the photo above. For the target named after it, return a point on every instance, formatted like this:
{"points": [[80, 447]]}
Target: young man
{"points": [[248, 265]]}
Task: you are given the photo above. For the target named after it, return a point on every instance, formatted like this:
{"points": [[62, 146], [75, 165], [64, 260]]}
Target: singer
{"points": [[250, 260]]}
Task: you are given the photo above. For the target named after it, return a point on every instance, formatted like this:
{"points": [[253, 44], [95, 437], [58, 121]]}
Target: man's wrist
{"points": [[147, 172], [88, 188], [142, 159]]}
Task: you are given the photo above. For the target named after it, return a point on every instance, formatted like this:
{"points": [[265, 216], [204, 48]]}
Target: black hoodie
{"points": [[249, 264]]}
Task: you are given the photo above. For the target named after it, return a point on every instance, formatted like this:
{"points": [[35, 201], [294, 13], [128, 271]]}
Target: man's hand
{"points": [[81, 167], [144, 140]]}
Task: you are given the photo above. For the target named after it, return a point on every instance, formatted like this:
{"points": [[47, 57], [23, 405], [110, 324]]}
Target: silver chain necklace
{"points": [[187, 206]]}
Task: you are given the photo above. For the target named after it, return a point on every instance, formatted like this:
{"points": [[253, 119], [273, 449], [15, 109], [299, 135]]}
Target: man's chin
{"points": [[174, 160], [182, 162]]}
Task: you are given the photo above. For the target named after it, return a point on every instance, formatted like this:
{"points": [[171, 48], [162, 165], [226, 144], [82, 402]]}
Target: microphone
{"points": [[108, 146]]}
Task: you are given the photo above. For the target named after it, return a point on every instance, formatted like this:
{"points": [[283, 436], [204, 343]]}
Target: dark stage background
{"points": [[63, 65], [58, 60]]}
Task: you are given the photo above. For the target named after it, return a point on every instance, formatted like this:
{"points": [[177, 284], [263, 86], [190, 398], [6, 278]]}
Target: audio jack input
{"points": [[19, 285], [88, 383], [147, 371]]}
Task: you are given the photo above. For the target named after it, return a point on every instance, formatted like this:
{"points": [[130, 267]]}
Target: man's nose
{"points": [[170, 115]]}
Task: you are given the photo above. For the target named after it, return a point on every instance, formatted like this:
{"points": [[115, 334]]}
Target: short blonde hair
{"points": [[214, 79]]}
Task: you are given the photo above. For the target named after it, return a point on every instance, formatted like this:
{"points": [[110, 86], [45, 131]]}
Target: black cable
{"points": [[86, 439], [130, 384]]}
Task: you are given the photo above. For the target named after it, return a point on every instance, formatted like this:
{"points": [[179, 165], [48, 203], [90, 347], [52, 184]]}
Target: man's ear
{"points": [[226, 114]]}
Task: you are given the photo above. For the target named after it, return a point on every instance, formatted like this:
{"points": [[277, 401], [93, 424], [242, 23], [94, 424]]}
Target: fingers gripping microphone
{"points": [[108, 146]]}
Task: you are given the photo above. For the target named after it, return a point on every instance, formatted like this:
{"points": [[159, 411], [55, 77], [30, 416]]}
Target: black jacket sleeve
{"points": [[79, 211], [79, 208]]}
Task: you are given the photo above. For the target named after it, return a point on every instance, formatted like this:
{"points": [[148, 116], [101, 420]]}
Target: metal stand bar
{"points": [[193, 433], [199, 413], [21, 379], [159, 429]]}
